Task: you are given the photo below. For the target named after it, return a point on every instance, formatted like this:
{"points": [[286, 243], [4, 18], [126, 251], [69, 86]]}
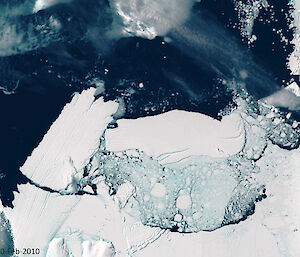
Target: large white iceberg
{"points": [[177, 135]]}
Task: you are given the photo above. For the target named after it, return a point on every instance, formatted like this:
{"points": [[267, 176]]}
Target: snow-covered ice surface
{"points": [[176, 135], [78, 222]]}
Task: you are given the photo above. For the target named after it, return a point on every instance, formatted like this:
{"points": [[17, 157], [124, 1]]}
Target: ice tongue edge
{"points": [[71, 141]]}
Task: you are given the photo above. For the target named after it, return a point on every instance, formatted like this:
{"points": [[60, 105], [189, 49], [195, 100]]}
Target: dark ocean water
{"points": [[172, 78]]}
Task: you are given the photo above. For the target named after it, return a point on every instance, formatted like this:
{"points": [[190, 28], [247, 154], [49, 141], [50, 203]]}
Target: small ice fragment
{"points": [[183, 201], [158, 190]]}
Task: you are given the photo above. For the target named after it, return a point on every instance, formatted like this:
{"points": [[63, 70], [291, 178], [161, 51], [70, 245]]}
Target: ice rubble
{"points": [[59, 160], [247, 13], [5, 231]]}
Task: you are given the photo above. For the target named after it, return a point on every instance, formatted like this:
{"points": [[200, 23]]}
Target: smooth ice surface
{"points": [[177, 135], [69, 144], [158, 185]]}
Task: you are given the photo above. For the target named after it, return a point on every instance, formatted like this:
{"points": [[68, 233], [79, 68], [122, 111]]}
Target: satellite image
{"points": [[141, 128]]}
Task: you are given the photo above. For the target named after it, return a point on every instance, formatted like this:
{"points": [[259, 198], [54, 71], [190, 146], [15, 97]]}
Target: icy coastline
{"points": [[142, 197]]}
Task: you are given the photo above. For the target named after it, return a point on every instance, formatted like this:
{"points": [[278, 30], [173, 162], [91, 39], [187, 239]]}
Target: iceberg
{"points": [[174, 184], [177, 135], [189, 171]]}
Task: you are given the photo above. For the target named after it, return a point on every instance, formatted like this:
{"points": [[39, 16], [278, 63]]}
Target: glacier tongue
{"points": [[71, 141]]}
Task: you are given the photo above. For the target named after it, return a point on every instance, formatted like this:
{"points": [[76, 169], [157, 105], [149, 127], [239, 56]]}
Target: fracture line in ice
{"points": [[272, 231], [96, 221], [264, 234], [76, 222]]}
